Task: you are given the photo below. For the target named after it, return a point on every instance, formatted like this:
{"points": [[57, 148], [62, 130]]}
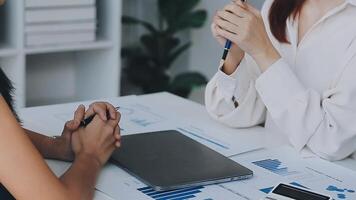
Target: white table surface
{"points": [[170, 104]]}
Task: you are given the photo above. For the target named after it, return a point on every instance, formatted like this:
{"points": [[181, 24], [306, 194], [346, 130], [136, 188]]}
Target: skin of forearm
{"points": [[42, 143], [81, 177], [265, 60], [233, 60]]}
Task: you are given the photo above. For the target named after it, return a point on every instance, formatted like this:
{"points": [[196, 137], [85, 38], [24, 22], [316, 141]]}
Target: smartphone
{"points": [[289, 192]]}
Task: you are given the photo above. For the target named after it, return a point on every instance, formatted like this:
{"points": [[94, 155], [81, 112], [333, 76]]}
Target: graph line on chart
{"points": [[188, 193], [138, 116], [275, 166], [204, 138]]}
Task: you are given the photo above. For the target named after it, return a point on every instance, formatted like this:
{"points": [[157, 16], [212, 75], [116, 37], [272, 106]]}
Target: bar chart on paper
{"points": [[211, 192], [188, 193], [275, 166]]}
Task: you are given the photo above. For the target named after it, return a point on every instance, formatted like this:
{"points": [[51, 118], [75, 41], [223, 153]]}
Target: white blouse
{"points": [[308, 97]]}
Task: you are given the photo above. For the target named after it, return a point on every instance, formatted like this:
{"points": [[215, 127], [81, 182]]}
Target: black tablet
{"points": [[169, 160]]}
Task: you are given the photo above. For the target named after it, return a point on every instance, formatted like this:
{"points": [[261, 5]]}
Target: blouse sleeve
{"points": [[241, 84], [326, 122]]}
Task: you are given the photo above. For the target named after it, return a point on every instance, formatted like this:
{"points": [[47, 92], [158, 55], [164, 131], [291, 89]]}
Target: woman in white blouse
{"points": [[292, 67]]}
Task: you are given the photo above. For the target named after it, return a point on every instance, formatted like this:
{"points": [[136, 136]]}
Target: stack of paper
{"points": [[58, 22]]}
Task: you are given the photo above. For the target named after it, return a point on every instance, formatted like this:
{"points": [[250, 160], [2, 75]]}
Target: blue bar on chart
{"points": [[275, 166], [340, 192], [188, 193], [267, 190]]}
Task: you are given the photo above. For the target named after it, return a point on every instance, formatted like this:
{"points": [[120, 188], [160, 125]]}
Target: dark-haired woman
{"points": [[23, 171], [292, 67]]}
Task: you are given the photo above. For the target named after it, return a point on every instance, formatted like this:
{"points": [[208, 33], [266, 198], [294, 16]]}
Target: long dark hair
{"points": [[280, 11], [6, 90]]}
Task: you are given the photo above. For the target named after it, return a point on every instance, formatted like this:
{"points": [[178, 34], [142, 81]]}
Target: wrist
{"points": [[62, 149], [88, 159], [267, 58], [48, 148], [232, 61]]}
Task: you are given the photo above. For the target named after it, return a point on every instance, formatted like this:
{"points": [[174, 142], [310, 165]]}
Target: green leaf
{"points": [[183, 84], [191, 20], [133, 21], [142, 72], [178, 52], [197, 18], [160, 47], [173, 9]]}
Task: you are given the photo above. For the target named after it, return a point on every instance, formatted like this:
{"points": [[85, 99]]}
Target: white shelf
{"points": [[69, 47], [55, 74], [7, 51]]}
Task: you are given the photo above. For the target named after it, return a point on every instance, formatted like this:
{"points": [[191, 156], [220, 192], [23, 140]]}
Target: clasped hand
{"points": [[99, 139]]}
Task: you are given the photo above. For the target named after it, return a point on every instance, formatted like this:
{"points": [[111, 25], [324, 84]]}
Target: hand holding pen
{"points": [[105, 111], [230, 63], [228, 44], [90, 118], [232, 54]]}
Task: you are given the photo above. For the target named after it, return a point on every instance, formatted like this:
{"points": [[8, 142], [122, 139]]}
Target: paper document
{"points": [[118, 184], [284, 165]]}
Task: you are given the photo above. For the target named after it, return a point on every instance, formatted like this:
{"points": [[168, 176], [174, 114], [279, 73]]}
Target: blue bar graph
{"points": [[181, 194], [275, 166], [267, 190]]}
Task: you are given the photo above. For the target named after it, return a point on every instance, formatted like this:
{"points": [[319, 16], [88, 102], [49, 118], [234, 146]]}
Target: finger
{"points": [[226, 34], [117, 133], [118, 144], [225, 25], [248, 8], [97, 122], [108, 136], [117, 137], [227, 16], [237, 10], [118, 115], [99, 109], [112, 110], [70, 125], [214, 28], [79, 116], [253, 10], [241, 3], [113, 122]]}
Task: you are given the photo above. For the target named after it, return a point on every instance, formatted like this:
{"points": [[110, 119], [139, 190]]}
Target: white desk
{"points": [[49, 120]]}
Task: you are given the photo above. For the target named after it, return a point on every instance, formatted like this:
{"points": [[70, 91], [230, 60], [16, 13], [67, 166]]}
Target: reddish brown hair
{"points": [[280, 11]]}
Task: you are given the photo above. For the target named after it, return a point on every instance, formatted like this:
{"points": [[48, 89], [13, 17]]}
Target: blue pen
{"points": [[226, 49], [89, 119], [228, 45]]}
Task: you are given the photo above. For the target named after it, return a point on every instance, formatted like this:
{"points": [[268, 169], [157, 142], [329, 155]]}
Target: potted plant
{"points": [[148, 63]]}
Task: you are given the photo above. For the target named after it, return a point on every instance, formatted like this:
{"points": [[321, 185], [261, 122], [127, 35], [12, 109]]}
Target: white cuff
{"points": [[228, 84]]}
